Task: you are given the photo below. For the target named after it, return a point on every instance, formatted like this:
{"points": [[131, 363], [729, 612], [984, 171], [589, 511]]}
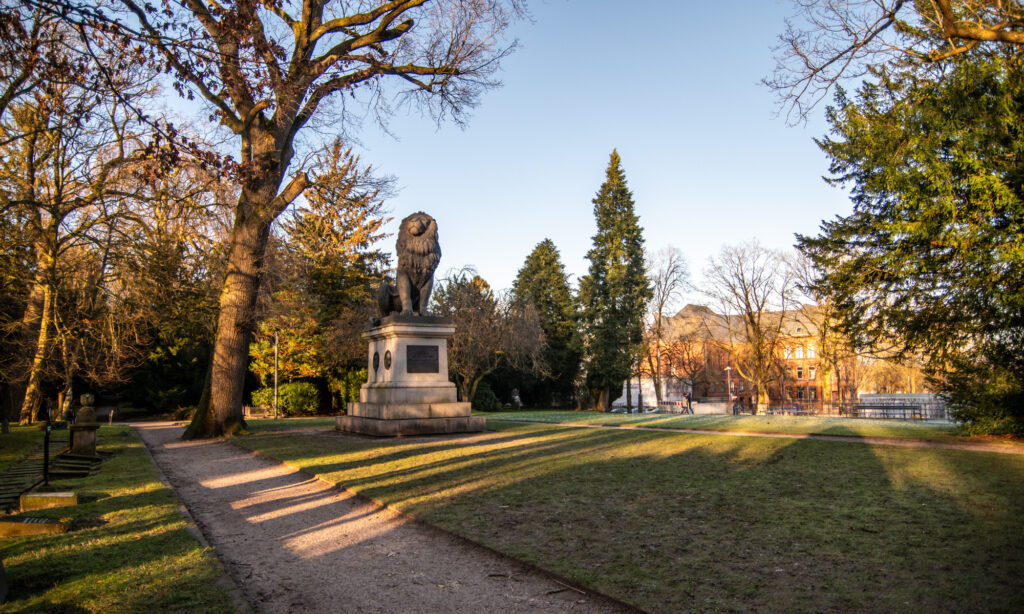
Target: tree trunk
{"points": [[5, 409], [656, 376], [222, 414], [32, 403]]}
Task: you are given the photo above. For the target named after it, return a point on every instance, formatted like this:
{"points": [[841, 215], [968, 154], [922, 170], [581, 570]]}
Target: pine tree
{"points": [[542, 281], [930, 263], [615, 292]]}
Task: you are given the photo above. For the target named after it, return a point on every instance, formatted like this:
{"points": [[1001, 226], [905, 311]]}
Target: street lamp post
{"points": [[275, 375]]}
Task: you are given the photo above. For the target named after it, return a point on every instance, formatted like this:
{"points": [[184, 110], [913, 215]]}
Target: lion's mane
{"points": [[418, 255]]}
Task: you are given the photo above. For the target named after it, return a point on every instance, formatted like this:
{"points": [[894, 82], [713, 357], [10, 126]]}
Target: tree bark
{"points": [[222, 414], [33, 393]]}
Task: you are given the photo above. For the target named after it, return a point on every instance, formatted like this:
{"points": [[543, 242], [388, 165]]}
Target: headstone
{"points": [[83, 431], [21, 526], [45, 500]]}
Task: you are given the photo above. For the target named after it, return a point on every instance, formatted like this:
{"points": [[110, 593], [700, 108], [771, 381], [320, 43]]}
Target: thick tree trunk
{"points": [[222, 414], [763, 399]]}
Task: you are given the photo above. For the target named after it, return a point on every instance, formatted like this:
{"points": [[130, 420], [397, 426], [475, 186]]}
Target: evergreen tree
{"points": [[542, 281], [615, 292], [931, 261]]}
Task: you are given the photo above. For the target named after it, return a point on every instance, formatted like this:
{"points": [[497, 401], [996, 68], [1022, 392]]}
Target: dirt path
{"points": [[294, 544], [875, 441]]}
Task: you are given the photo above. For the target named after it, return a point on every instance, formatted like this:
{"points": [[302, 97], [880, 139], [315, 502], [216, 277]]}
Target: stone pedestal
{"points": [[83, 431], [83, 439], [407, 390]]}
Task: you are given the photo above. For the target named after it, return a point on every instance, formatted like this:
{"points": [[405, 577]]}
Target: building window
{"points": [[799, 372], [741, 385], [799, 394], [814, 394], [787, 352], [811, 352], [799, 351], [811, 372]]}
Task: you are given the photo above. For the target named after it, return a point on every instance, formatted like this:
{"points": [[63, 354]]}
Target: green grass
{"points": [[760, 424], [673, 522], [19, 442], [128, 550]]}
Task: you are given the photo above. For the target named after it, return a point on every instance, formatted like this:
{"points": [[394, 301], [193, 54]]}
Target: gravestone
{"points": [[83, 431]]}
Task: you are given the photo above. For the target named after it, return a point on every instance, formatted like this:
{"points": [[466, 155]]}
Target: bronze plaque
{"points": [[421, 359]]}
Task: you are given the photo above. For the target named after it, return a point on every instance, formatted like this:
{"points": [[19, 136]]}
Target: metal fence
{"points": [[896, 410]]}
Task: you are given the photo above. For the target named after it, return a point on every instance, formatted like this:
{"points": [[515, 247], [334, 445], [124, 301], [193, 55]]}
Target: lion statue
{"points": [[418, 255]]}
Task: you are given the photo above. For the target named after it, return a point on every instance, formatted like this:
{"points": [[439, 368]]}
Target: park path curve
{"points": [[293, 543]]}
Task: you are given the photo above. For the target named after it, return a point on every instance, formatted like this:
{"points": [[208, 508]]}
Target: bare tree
{"points": [[493, 330], [687, 356], [752, 287], [833, 347], [62, 172], [827, 40], [669, 275], [266, 70]]}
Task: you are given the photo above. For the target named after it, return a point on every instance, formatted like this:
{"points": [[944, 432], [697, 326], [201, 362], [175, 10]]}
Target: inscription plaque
{"points": [[376, 361], [421, 359]]}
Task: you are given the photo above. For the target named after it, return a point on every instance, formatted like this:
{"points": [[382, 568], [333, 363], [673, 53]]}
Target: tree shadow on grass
{"points": [[771, 525], [673, 521]]}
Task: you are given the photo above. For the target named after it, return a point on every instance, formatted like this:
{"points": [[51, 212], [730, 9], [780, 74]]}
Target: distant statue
{"points": [[418, 255]]}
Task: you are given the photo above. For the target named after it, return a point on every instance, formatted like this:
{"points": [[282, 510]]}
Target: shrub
{"points": [[354, 380], [181, 413], [485, 399], [294, 399]]}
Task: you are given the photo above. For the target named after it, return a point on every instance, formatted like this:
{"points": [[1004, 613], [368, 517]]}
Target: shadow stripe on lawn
{"points": [[870, 440]]}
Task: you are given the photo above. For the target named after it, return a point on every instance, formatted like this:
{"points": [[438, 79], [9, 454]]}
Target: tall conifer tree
{"points": [[543, 282], [614, 294]]}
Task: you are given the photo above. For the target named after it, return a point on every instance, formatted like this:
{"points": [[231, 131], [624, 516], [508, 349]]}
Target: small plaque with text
{"points": [[421, 359]]}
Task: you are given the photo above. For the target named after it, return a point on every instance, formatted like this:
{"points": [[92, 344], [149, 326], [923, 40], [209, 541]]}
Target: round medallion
{"points": [[376, 361], [387, 359]]}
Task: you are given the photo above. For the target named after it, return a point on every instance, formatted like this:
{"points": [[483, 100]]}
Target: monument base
{"points": [[407, 390], [83, 438], [409, 427]]}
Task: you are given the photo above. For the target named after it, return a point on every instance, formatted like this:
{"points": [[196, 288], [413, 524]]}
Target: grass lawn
{"points": [[675, 521], [20, 441], [128, 550], [759, 424]]}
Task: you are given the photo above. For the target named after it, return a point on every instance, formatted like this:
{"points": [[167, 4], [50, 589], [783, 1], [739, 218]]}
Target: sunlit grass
{"points": [[674, 522], [128, 551], [759, 424]]}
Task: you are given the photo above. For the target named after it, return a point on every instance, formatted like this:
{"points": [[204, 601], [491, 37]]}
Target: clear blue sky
{"points": [[673, 85]]}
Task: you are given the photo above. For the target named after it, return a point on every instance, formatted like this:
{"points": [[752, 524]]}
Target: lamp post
{"points": [[275, 375], [728, 379]]}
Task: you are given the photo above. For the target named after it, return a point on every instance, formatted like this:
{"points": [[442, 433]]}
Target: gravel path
{"points": [[295, 544]]}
